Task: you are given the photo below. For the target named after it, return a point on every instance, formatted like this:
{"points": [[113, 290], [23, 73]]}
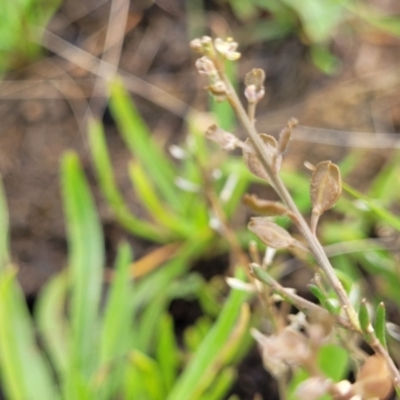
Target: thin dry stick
{"points": [[111, 54]]}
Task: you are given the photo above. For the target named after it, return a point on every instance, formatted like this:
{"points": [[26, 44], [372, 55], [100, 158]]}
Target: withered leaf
{"points": [[255, 77], [251, 158], [270, 233], [325, 187], [374, 380], [285, 135], [264, 207]]}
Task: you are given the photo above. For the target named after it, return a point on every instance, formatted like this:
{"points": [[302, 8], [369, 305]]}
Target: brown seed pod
{"points": [[264, 207], [271, 234], [253, 162], [325, 189]]}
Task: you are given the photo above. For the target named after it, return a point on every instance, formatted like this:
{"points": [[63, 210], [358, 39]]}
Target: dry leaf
{"points": [[270, 233], [325, 189], [252, 161], [264, 207], [374, 380]]}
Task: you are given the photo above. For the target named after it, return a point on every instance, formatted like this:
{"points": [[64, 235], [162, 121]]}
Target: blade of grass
{"points": [[139, 141], [86, 258], [167, 351], [187, 386], [4, 239], [381, 212], [149, 374], [51, 319], [102, 163], [117, 324], [222, 384], [161, 213], [25, 373]]}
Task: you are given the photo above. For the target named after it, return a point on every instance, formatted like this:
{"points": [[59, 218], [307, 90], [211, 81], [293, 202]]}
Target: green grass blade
{"points": [[154, 283], [4, 238], [139, 141], [25, 373], [104, 171], [222, 384], [159, 211], [188, 385], [167, 351], [117, 317], [380, 324], [149, 374], [116, 335], [52, 323], [381, 212], [86, 259]]}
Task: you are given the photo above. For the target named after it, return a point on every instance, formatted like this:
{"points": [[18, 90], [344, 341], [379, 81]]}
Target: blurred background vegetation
{"points": [[100, 99]]}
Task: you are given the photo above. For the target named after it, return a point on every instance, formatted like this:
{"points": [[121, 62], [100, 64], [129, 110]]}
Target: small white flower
{"points": [[227, 48]]}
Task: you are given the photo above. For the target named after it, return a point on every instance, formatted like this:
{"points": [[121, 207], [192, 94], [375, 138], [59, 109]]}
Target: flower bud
{"points": [[227, 48], [254, 82], [226, 140]]}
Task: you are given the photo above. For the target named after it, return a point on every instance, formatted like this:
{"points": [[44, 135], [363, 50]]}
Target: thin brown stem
{"points": [[276, 182]]}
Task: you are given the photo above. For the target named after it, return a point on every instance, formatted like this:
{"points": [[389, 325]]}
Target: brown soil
{"points": [[39, 122]]}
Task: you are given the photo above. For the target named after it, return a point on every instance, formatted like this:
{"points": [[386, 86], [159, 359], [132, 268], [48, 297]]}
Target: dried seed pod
{"points": [[272, 234], [254, 82], [325, 189], [252, 161], [226, 140], [374, 380], [286, 134], [264, 207]]}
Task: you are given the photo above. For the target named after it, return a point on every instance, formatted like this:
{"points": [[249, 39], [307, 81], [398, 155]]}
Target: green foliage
{"points": [[117, 343], [173, 196], [18, 23]]}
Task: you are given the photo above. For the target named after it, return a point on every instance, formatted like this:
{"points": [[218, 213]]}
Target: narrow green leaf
{"points": [[364, 317], [378, 210], [189, 385], [86, 259], [149, 320], [222, 384], [4, 238], [116, 333], [139, 141], [167, 351], [160, 212], [118, 314], [25, 372], [104, 171], [380, 324], [51, 319], [150, 375]]}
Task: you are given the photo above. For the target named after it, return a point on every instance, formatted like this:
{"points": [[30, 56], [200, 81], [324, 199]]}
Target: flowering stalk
{"points": [[263, 155]]}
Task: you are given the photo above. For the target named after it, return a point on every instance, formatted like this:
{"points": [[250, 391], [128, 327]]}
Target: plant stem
{"points": [[276, 182]]}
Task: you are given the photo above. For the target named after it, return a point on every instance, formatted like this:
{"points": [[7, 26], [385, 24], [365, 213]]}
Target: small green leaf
{"points": [[364, 317], [380, 324], [333, 361]]}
